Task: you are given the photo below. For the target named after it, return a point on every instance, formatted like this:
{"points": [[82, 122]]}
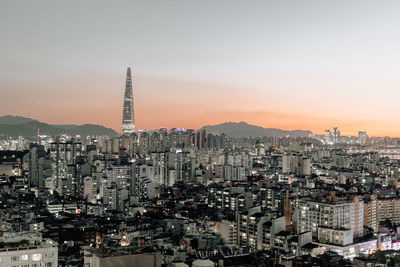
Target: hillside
{"points": [[22, 126], [243, 129]]}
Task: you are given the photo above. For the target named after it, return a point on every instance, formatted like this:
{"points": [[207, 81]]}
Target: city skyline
{"points": [[199, 133], [300, 66]]}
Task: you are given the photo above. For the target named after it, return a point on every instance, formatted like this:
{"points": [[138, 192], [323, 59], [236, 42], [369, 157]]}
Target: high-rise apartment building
{"points": [[296, 163], [378, 210], [331, 220], [63, 154]]}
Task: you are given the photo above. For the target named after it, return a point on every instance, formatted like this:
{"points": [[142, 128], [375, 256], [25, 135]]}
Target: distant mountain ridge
{"points": [[22, 126], [243, 129]]}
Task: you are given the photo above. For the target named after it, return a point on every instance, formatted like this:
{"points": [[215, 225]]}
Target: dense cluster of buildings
{"points": [[191, 198], [178, 196]]}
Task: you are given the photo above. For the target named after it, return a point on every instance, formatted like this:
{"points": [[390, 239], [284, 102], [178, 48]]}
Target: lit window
{"points": [[36, 257], [24, 257]]}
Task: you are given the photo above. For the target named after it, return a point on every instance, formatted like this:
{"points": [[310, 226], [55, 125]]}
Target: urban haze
{"points": [[199, 133]]}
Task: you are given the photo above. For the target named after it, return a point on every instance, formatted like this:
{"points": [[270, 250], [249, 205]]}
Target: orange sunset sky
{"points": [[292, 65]]}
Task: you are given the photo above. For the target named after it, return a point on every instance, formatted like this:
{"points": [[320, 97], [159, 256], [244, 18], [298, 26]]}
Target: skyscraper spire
{"points": [[128, 116]]}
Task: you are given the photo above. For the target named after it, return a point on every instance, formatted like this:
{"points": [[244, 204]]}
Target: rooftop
{"points": [[23, 241], [116, 251]]}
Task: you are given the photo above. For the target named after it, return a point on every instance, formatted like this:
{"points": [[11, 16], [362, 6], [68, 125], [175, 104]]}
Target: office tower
{"points": [[128, 117], [335, 134], [362, 137]]}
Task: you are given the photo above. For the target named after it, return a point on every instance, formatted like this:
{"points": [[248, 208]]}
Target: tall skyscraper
{"points": [[336, 134], [128, 116]]}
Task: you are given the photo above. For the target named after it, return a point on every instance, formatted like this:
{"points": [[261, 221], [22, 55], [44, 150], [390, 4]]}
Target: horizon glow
{"points": [[275, 64]]}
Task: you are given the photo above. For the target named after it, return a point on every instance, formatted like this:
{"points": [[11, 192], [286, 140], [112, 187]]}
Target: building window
{"points": [[49, 254], [24, 257], [14, 258], [36, 257]]}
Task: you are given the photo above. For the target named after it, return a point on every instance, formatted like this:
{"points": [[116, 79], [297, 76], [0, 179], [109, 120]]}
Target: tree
{"points": [[386, 223], [380, 257], [396, 259]]}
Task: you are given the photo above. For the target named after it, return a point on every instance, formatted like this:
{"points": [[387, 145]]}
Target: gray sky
{"points": [[337, 60]]}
